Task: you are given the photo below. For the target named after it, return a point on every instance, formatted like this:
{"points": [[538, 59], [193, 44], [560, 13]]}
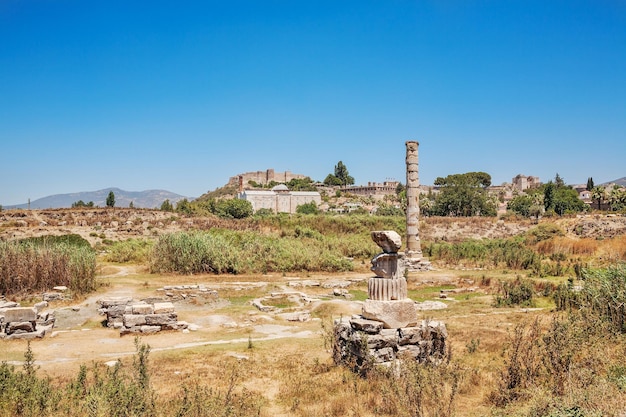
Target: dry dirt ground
{"points": [[80, 337], [229, 324], [99, 224]]}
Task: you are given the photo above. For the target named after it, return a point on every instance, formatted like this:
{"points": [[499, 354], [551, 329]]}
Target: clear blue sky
{"points": [[182, 95]]}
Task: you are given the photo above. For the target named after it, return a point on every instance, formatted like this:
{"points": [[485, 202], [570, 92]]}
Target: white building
{"points": [[279, 199]]}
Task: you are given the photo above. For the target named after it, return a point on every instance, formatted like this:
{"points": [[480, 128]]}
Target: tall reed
{"points": [[226, 251], [40, 265]]}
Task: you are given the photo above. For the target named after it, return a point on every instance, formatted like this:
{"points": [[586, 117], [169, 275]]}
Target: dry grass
{"points": [[294, 376]]}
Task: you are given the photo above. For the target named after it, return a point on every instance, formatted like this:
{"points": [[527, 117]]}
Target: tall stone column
{"points": [[413, 247]]}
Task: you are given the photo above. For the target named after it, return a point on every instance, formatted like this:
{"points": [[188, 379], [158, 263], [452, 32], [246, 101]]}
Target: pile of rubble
{"points": [[24, 322], [130, 316], [186, 292], [360, 342]]}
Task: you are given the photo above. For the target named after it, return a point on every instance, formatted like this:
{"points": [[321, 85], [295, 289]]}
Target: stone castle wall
{"points": [[264, 177]]}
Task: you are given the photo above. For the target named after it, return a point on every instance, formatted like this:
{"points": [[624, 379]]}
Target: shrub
{"points": [[516, 292], [131, 250], [544, 231], [307, 208], [232, 208]]}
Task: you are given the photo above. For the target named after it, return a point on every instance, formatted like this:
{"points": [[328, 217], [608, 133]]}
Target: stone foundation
{"points": [[361, 343], [131, 316], [25, 322]]}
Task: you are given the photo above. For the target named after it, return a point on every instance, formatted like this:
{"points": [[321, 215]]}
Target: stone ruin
{"points": [[139, 317], [25, 322], [413, 254], [388, 328]]}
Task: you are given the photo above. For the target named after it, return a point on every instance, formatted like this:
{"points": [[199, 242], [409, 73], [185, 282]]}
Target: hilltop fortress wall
{"points": [[264, 177]]}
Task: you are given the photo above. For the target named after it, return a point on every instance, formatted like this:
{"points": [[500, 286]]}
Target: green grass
{"points": [[428, 293], [359, 295]]}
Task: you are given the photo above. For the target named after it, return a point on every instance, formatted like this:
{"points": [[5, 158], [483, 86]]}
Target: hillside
{"points": [[619, 181], [124, 223], [140, 199]]}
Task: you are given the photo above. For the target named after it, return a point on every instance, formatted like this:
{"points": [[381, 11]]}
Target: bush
{"points": [[543, 232], [232, 209], [131, 250], [389, 210], [307, 208], [516, 292]]}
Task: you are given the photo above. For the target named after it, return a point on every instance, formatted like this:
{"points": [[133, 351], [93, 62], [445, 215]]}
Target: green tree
{"points": [[167, 206], [81, 203], [384, 209], [617, 198], [332, 181], [301, 184], [131, 205], [598, 194], [567, 201], [341, 172], [110, 199], [307, 208], [234, 208], [521, 205], [183, 206], [589, 183], [464, 195], [548, 196], [558, 181], [560, 198]]}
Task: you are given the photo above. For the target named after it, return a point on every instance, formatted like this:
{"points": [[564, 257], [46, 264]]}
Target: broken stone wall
{"points": [[360, 343], [131, 316]]}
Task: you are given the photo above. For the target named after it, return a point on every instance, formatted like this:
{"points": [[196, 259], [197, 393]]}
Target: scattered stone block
{"points": [[388, 240], [53, 296], [161, 319], [336, 284], [8, 304], [150, 329], [367, 326], [143, 309], [40, 305], [20, 314], [162, 308], [298, 316], [132, 320], [20, 327], [393, 315]]}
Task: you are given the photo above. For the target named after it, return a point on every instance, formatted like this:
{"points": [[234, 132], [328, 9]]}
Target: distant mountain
{"points": [[140, 199], [621, 181]]}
